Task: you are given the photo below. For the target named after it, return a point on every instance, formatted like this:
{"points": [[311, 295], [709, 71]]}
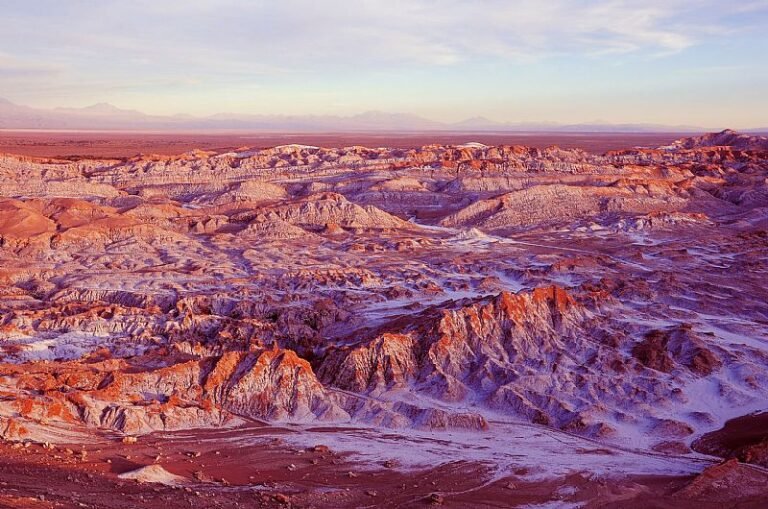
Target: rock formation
{"points": [[616, 296]]}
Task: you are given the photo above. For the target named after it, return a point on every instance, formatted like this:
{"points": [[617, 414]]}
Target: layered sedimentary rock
{"points": [[610, 295]]}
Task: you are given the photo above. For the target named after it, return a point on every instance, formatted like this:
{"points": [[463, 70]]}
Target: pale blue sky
{"points": [[674, 62]]}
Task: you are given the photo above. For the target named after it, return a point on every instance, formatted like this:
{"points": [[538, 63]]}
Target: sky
{"points": [[674, 62]]}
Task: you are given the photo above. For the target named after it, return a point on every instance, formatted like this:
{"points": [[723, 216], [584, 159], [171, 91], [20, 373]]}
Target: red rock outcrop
{"points": [[432, 287]]}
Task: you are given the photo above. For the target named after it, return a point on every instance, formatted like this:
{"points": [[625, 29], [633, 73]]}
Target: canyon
{"points": [[454, 324]]}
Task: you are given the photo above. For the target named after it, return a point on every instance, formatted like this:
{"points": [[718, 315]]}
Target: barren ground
{"points": [[397, 321], [129, 144]]}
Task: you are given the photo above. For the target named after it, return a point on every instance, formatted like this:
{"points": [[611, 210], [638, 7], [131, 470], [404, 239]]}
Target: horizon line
{"points": [[493, 125]]}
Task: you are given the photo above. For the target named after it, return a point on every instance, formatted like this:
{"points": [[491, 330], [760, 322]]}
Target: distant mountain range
{"points": [[103, 116]]}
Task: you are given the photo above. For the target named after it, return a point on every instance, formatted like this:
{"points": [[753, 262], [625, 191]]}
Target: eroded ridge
{"points": [[617, 298]]}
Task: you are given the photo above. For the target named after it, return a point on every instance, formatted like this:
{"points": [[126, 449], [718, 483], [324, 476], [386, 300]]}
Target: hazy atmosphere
{"points": [[698, 63]]}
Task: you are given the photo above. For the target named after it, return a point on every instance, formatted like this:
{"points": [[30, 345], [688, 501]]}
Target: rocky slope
{"points": [[617, 296]]}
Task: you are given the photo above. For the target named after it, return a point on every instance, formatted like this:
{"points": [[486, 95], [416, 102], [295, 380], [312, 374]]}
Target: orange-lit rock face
{"points": [[612, 295]]}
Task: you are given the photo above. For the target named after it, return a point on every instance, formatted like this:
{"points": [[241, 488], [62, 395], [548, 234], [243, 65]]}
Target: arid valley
{"points": [[573, 322]]}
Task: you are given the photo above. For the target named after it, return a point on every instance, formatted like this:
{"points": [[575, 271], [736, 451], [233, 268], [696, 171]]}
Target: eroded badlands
{"points": [[500, 318]]}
